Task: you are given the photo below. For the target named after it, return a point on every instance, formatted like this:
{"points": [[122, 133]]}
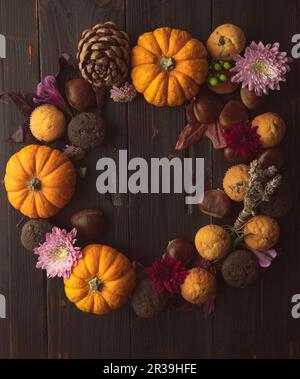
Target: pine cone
{"points": [[104, 54]]}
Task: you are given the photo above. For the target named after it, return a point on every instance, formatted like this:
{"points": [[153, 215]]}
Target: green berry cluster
{"points": [[216, 74]]}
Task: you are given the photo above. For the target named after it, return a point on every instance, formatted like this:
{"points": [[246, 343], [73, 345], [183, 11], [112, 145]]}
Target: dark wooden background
{"points": [[40, 323]]}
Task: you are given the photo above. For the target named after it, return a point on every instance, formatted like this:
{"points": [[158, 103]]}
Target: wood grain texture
{"points": [[156, 219], [23, 331], [252, 316], [71, 333], [252, 323]]}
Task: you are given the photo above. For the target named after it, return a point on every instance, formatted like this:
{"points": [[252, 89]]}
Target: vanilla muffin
{"points": [[212, 242], [261, 232], [235, 182], [271, 128], [47, 123], [199, 286]]}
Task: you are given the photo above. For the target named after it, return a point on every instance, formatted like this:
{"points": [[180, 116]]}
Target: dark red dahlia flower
{"points": [[243, 139], [167, 274]]}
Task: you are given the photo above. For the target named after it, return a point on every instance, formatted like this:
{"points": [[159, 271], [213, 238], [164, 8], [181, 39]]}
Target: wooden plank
{"points": [[292, 224], [254, 322], [71, 333], [155, 219], [23, 331], [258, 319]]}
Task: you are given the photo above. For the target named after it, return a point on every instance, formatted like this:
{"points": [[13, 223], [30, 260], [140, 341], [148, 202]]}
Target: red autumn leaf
{"points": [[190, 134], [195, 131], [215, 133]]}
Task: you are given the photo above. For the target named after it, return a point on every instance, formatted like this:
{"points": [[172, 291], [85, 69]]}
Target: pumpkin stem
{"points": [[167, 63], [95, 284], [35, 185]]}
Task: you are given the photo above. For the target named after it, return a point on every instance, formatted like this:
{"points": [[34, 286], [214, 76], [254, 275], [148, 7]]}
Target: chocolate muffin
{"points": [[280, 203], [34, 232], [86, 130], [146, 302], [240, 269]]}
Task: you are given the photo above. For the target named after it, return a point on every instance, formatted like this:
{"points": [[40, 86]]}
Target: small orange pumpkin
{"points": [[39, 181], [102, 280], [168, 66]]}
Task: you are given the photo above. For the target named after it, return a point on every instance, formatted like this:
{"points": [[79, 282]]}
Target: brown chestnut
{"points": [[80, 94], [207, 108], [233, 113], [180, 249], [234, 158], [271, 157], [91, 224], [215, 203], [250, 99]]}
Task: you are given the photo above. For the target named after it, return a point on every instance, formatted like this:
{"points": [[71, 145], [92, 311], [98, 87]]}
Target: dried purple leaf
{"points": [[22, 100], [67, 71], [205, 264], [209, 308], [19, 135], [25, 105], [177, 301], [100, 94]]}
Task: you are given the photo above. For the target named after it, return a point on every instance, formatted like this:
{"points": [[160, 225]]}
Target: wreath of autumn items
{"points": [[223, 82]]}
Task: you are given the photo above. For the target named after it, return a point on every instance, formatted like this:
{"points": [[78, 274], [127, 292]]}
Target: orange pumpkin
{"points": [[102, 280], [39, 181], [168, 66]]}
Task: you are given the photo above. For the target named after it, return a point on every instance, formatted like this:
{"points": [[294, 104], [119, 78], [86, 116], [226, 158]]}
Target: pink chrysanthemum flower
{"points": [[167, 274], [261, 68], [123, 94], [57, 255]]}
